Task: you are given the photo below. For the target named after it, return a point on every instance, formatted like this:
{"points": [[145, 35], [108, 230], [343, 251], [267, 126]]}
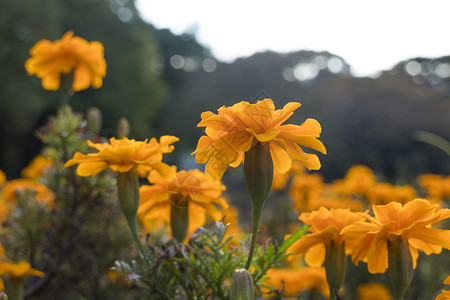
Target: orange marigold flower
{"points": [[4, 210], [358, 180], [234, 130], [18, 270], [296, 281], [317, 202], [2, 178], [303, 188], [38, 166], [2, 253], [411, 222], [124, 155], [70, 54], [326, 228], [437, 187], [444, 295], [42, 193], [374, 291], [189, 190], [384, 193]]}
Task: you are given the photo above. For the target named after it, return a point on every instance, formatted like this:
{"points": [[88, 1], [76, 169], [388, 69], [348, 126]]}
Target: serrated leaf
{"points": [[292, 239]]}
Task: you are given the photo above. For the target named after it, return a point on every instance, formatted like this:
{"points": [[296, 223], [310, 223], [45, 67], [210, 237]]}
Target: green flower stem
{"points": [[257, 207], [15, 288], [258, 173], [128, 193]]}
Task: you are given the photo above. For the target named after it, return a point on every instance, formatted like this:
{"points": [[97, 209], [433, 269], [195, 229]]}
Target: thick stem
{"points": [[257, 207]]}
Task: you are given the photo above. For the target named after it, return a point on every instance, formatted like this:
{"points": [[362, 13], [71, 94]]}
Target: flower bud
{"points": [[258, 171], [179, 221], [128, 194], [3, 296], [400, 265], [241, 285], [94, 120], [123, 128]]}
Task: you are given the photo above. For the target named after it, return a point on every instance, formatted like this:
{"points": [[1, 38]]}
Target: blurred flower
{"points": [[190, 191], [411, 222], [326, 227], [374, 291], [18, 270], [70, 54], [358, 180], [124, 155], [384, 193], [38, 166], [316, 202], [2, 178], [2, 253], [4, 210], [326, 244], [444, 295], [437, 187], [41, 192], [296, 281], [236, 129], [280, 179], [303, 188]]}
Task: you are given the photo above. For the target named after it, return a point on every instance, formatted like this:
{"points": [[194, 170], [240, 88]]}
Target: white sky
{"points": [[370, 35]]}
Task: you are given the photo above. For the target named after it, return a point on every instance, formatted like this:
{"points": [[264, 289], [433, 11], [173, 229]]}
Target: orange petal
{"points": [[281, 160], [315, 255]]}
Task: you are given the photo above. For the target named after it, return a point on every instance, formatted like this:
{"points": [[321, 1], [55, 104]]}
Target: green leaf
{"points": [[292, 239]]}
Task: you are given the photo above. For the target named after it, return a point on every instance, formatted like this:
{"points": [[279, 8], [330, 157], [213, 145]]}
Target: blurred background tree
{"points": [[162, 82]]}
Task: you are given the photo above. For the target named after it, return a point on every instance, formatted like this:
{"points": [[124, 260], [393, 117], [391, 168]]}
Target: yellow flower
{"points": [[38, 166], [2, 253], [281, 179], [296, 281], [444, 295], [411, 222], [437, 187], [189, 191], [42, 193], [326, 228], [124, 155], [70, 54], [4, 210], [384, 193], [303, 188], [374, 291], [358, 180], [234, 130], [18, 270], [2, 177], [317, 202]]}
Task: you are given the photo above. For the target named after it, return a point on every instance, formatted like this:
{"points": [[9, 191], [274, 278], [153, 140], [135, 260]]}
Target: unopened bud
{"points": [[94, 119], [241, 285], [3, 296], [258, 171], [123, 128], [335, 265], [400, 266]]}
